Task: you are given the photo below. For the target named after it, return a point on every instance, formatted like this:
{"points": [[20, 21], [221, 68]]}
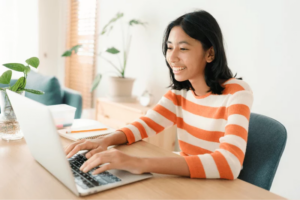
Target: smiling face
{"points": [[186, 56]]}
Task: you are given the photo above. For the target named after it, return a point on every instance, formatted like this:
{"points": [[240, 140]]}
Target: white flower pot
{"points": [[120, 89]]}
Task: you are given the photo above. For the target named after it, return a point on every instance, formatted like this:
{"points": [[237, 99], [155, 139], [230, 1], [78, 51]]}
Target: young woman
{"points": [[210, 107]]}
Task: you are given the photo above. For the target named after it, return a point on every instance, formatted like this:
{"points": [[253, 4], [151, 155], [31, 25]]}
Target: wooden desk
{"points": [[23, 178]]}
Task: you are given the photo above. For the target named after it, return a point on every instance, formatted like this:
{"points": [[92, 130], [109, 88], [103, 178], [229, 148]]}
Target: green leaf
{"points": [[112, 50], [67, 53], [15, 66], [5, 77], [19, 85], [38, 92], [33, 61], [96, 82], [27, 69], [136, 22], [103, 32], [118, 16], [109, 30], [75, 48]]}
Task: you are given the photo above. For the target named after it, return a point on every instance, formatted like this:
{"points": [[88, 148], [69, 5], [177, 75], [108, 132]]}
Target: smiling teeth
{"points": [[178, 69]]}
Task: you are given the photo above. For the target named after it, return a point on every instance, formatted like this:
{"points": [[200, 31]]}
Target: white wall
{"points": [[33, 28], [18, 32], [261, 40], [52, 41]]}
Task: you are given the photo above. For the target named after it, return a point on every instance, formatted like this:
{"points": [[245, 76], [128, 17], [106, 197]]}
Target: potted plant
{"points": [[120, 86], [9, 126]]}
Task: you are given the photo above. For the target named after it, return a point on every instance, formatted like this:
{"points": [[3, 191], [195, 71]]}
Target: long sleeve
{"points": [[227, 160], [162, 116]]}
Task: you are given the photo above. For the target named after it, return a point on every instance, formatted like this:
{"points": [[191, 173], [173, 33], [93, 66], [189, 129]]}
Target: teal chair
{"points": [[54, 93], [266, 142]]}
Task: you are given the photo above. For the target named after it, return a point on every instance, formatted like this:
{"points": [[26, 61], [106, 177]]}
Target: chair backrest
{"points": [[266, 142], [48, 84]]}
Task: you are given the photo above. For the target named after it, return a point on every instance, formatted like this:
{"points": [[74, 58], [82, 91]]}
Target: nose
{"points": [[173, 56]]}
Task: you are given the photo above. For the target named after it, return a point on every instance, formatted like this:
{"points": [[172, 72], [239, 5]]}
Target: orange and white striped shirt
{"points": [[212, 129]]}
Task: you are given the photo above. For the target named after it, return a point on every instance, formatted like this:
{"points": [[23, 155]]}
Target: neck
{"points": [[200, 86]]}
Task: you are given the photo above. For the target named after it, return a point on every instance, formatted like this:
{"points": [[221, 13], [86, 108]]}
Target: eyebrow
{"points": [[181, 42]]}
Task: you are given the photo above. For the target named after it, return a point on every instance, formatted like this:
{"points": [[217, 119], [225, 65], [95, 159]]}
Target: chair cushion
{"points": [[48, 84]]}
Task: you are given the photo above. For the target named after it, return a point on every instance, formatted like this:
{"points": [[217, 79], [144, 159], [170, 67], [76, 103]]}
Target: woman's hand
{"points": [[115, 159], [95, 145]]}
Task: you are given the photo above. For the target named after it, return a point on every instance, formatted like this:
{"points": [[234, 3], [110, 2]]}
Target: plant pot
{"points": [[120, 89], [9, 125]]}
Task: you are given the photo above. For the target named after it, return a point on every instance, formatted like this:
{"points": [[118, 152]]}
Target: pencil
{"points": [[90, 130]]}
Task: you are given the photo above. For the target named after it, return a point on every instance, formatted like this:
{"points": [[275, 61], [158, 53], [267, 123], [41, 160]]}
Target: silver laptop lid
{"points": [[42, 138]]}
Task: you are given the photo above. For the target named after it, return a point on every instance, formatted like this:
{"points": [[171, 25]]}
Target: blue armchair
{"points": [[54, 93]]}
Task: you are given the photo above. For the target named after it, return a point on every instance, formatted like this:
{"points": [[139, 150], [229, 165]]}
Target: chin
{"points": [[180, 79]]}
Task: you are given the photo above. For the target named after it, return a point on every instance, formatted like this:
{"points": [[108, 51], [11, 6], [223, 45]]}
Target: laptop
{"points": [[45, 146]]}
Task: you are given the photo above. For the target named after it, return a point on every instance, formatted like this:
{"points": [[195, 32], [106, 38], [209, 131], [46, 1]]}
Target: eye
{"points": [[169, 48], [183, 49]]}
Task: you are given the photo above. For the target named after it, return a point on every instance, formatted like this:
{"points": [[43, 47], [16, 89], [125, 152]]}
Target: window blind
{"points": [[82, 29]]}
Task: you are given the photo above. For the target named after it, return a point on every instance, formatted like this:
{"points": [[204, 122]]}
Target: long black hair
{"points": [[203, 27]]}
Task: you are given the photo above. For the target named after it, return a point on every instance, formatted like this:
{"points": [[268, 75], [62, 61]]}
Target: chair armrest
{"points": [[73, 98]]}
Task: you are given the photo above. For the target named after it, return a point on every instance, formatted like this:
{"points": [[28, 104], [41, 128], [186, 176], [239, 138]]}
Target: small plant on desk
{"points": [[9, 126], [20, 85]]}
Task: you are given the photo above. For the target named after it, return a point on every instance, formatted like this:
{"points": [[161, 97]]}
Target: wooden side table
{"points": [[118, 115]]}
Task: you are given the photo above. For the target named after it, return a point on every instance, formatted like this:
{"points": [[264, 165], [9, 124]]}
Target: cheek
{"points": [[190, 61], [195, 61], [167, 58]]}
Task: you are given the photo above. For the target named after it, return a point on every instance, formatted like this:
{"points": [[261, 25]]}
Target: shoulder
{"points": [[174, 93], [171, 95], [234, 85]]}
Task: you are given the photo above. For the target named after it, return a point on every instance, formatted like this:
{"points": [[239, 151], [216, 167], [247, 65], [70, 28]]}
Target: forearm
{"points": [[116, 138], [165, 165]]}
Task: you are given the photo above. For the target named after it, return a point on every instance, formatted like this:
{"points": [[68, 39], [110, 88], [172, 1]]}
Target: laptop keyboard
{"points": [[87, 180]]}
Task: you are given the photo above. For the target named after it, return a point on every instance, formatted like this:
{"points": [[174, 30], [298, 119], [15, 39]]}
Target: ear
{"points": [[210, 54]]}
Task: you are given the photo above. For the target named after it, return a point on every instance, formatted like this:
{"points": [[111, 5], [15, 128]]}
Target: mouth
{"points": [[178, 69]]}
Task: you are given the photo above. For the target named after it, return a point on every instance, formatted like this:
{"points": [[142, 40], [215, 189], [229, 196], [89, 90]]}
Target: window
{"points": [[82, 29]]}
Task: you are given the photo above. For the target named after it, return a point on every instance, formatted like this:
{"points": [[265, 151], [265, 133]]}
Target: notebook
{"points": [[85, 124]]}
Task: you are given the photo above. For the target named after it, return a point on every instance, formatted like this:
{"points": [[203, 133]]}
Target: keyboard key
{"points": [[107, 179], [101, 181], [90, 185], [92, 181], [84, 186], [88, 180]]}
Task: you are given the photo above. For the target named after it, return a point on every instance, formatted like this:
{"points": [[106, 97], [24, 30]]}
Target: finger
{"points": [[103, 168], [93, 152], [94, 158], [101, 155], [77, 148], [95, 161], [89, 161], [70, 147]]}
